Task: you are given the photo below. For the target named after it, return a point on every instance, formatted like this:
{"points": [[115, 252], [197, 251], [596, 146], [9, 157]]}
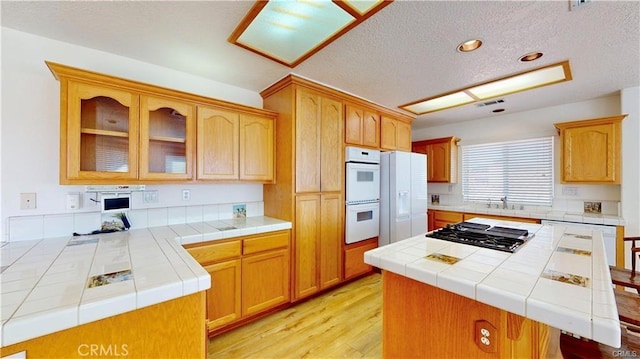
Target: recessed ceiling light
{"points": [[469, 45], [498, 110], [543, 76], [531, 56], [289, 32]]}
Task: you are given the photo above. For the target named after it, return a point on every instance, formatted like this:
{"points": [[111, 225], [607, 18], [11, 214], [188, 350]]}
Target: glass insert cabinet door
{"points": [[166, 138], [102, 133]]}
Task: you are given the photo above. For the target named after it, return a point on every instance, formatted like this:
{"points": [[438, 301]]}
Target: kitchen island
{"points": [[108, 295], [446, 299], [137, 293]]}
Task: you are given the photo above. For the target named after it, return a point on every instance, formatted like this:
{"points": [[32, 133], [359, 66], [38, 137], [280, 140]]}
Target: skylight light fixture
{"points": [[539, 77], [290, 31]]}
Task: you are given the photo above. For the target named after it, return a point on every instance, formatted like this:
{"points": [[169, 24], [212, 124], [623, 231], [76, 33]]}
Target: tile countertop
{"points": [[550, 214], [44, 283], [531, 282]]}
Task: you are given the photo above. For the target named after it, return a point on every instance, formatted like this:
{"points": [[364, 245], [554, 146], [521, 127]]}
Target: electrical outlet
{"points": [[186, 194], [486, 336], [27, 200]]}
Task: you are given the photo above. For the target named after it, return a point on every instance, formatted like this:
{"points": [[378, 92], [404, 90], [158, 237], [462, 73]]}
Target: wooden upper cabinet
{"points": [[167, 137], [319, 164], [307, 137], [256, 148], [234, 146], [362, 126], [395, 134], [591, 150], [114, 130], [218, 144], [99, 133], [331, 154], [442, 158]]}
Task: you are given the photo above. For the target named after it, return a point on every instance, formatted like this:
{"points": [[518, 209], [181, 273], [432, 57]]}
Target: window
{"points": [[521, 170]]}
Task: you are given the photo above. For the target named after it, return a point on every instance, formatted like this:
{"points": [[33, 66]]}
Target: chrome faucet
{"points": [[504, 202]]}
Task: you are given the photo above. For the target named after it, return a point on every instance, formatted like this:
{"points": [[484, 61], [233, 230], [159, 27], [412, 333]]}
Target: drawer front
{"points": [[265, 242], [445, 216], [215, 252]]}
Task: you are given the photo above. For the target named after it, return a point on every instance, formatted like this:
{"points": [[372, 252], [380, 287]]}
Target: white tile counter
{"points": [[559, 277], [44, 284]]}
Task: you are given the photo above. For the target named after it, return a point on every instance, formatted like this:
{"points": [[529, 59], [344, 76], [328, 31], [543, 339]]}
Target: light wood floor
{"points": [[344, 323]]}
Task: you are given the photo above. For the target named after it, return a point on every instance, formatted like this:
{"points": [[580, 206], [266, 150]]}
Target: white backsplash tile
{"points": [[138, 218], [225, 211], [575, 206], [176, 215], [86, 222], [255, 209], [58, 225], [210, 212], [26, 228], [62, 225], [195, 214], [157, 217]]}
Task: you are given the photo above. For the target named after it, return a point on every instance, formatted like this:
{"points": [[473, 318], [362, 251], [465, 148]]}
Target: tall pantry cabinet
{"points": [[308, 188]]}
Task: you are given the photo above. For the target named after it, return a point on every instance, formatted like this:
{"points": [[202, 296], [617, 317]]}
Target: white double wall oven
{"points": [[362, 178]]}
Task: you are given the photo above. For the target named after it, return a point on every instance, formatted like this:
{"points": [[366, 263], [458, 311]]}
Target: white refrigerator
{"points": [[403, 196]]}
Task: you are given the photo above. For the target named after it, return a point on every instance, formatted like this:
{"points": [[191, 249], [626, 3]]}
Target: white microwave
{"points": [[115, 202]]}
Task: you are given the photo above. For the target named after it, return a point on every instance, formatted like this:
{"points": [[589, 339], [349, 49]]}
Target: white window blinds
{"points": [[521, 170]]}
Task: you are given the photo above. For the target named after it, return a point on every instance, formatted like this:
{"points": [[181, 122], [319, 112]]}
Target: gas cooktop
{"points": [[482, 235]]}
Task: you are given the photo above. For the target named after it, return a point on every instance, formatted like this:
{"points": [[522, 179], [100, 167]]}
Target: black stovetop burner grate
{"points": [[469, 233]]}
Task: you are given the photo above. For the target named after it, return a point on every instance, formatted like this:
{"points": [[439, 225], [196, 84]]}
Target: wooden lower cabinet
{"points": [[223, 298], [249, 275], [318, 238], [442, 218], [439, 219], [265, 281], [468, 216], [354, 264]]}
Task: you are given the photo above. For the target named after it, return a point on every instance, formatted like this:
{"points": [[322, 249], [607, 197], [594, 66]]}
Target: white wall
{"points": [[630, 103], [532, 124], [29, 132]]}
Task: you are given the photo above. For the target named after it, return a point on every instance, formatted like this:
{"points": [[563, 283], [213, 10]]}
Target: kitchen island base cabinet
{"points": [[172, 329], [428, 322]]}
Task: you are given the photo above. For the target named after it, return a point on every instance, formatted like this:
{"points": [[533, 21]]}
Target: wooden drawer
{"points": [[354, 258], [266, 242], [215, 252], [445, 216]]}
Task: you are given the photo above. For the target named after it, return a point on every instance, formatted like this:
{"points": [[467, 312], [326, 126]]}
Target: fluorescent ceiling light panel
{"points": [[519, 83], [543, 76], [289, 31], [362, 6], [440, 103], [286, 29]]}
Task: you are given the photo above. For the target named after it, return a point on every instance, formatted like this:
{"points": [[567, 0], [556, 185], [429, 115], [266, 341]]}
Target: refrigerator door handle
{"points": [[404, 205]]}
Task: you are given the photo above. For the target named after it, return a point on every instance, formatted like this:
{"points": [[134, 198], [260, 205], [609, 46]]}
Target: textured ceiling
{"points": [[404, 53]]}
